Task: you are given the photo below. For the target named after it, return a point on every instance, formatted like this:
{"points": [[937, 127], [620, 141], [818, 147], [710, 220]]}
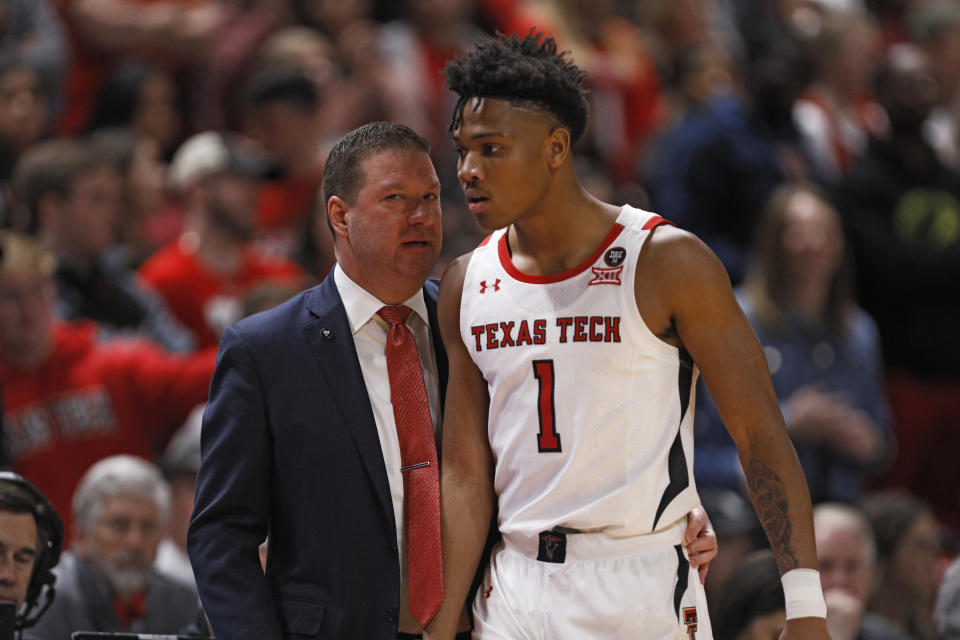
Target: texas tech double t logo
{"points": [[690, 619]]}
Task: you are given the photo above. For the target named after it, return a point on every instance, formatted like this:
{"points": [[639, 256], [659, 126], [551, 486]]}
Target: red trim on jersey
{"points": [[516, 274], [485, 241], [655, 221]]}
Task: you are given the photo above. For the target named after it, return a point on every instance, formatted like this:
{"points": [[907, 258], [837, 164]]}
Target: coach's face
{"points": [[18, 553], [389, 236]]}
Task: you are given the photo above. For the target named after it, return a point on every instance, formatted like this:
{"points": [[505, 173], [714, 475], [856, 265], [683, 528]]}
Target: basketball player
{"points": [[575, 334]]}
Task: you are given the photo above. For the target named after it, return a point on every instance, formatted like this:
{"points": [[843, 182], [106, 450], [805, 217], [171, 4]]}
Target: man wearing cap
{"points": [[205, 273]]}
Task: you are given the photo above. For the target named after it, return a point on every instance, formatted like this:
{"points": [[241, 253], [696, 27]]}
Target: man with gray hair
{"points": [[847, 554], [107, 581]]}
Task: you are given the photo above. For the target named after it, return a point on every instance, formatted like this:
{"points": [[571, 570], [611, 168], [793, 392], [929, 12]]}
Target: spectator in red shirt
{"points": [[205, 274], [67, 399]]}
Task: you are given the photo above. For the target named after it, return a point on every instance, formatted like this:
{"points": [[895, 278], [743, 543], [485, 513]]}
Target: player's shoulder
{"points": [[671, 244], [679, 259], [449, 296], [451, 281]]}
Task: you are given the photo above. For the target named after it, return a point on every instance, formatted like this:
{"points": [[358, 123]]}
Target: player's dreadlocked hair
{"points": [[523, 71]]}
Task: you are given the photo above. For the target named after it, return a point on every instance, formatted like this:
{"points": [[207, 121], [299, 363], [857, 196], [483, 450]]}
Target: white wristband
{"points": [[803, 594]]}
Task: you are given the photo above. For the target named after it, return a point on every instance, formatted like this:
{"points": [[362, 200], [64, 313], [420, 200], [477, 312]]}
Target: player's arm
{"points": [[694, 289], [466, 464]]}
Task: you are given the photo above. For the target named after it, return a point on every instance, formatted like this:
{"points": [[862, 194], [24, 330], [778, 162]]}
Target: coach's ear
{"points": [[558, 147], [338, 213]]}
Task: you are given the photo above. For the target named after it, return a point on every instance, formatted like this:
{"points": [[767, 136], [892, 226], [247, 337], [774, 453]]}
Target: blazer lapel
{"points": [[331, 341], [430, 295]]}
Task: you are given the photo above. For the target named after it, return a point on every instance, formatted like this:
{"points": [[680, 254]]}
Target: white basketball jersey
{"points": [[591, 415]]}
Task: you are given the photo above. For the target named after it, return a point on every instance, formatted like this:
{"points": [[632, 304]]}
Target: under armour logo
{"points": [[487, 591], [690, 619], [484, 286]]}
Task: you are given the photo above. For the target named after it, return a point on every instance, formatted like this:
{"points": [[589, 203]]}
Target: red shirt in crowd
{"points": [[205, 302], [89, 400]]}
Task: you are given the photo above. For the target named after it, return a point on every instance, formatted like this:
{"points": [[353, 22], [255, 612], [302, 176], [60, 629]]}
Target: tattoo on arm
{"points": [[770, 501]]}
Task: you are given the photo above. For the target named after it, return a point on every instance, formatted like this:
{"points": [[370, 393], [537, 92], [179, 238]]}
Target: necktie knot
{"points": [[395, 314]]}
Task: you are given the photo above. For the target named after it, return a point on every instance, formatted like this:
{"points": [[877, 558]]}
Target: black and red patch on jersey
{"points": [[615, 256]]}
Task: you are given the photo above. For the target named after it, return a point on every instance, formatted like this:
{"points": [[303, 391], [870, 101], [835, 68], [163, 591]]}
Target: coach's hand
{"points": [[805, 629], [700, 541]]}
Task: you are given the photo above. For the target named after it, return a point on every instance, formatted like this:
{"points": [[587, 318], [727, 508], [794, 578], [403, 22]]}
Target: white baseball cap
{"points": [[209, 153]]}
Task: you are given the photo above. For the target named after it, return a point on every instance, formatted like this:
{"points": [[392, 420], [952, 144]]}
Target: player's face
{"points": [[390, 236], [845, 562], [18, 552], [502, 161]]}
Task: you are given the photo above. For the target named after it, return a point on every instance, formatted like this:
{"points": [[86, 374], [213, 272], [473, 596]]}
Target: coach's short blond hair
{"points": [[19, 252]]}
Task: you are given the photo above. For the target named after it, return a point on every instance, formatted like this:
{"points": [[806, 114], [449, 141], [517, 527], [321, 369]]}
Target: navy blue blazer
{"points": [[290, 448]]}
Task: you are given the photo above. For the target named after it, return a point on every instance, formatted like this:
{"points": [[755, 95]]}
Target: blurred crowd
{"points": [[159, 171]]}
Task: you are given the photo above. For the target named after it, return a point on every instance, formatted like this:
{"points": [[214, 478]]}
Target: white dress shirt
{"points": [[370, 337]]}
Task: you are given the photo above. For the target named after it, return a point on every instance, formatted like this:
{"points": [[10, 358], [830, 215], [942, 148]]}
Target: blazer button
{"points": [[391, 615]]}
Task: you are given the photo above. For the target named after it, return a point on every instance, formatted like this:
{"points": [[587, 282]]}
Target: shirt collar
{"points": [[361, 305]]}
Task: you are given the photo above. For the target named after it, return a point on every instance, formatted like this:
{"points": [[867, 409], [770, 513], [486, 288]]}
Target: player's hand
{"points": [[805, 629], [700, 541]]}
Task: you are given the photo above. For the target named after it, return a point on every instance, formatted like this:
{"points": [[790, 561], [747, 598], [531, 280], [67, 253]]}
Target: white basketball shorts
{"points": [[592, 586]]}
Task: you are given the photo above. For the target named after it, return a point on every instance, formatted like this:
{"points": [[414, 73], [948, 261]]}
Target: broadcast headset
{"points": [[50, 533]]}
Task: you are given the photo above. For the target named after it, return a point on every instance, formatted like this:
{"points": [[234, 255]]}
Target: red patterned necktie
{"points": [[418, 460]]}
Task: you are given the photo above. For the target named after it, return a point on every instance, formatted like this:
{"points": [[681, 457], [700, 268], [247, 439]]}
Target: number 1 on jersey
{"points": [[548, 439]]}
